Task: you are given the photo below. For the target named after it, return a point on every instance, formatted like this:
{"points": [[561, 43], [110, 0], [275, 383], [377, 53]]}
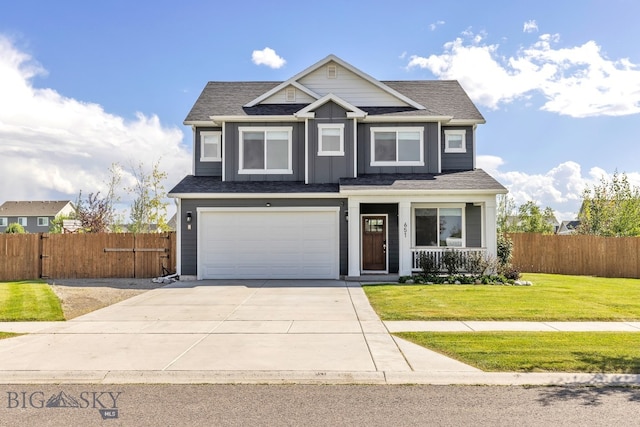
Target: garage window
{"points": [[265, 150]]}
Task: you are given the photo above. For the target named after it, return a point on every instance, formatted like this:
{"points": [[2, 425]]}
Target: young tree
{"points": [[531, 219], [611, 209], [94, 213], [149, 206], [506, 209]]}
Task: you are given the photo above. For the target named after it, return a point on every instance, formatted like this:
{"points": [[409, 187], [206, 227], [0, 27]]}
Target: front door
{"points": [[374, 243]]}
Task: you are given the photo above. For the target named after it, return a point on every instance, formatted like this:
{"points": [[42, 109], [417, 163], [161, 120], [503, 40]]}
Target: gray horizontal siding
{"points": [[430, 139], [32, 223], [458, 161], [232, 152], [205, 168], [189, 240]]}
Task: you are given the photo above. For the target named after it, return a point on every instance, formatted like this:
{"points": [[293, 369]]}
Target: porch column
{"points": [[354, 239], [404, 239], [490, 227]]}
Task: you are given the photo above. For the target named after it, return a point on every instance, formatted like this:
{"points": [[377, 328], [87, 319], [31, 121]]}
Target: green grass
{"points": [[27, 301], [4, 335], [551, 298], [590, 352]]}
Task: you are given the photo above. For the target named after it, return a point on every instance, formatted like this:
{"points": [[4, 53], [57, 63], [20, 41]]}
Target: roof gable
{"points": [[345, 81], [352, 111], [36, 208]]}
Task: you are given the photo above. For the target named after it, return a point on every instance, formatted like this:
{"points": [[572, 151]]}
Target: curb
{"points": [[318, 378]]}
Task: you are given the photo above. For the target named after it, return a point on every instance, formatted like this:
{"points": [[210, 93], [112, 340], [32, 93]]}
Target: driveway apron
{"points": [[260, 325]]}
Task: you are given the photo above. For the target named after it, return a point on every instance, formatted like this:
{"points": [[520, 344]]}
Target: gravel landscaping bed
{"points": [[82, 296]]}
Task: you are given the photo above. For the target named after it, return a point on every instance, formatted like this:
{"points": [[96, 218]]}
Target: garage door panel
{"points": [[269, 244]]}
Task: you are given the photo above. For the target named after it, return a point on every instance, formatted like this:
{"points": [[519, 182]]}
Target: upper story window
{"points": [[210, 146], [331, 139], [22, 221], [397, 146], [265, 150], [4, 222], [43, 221], [455, 141], [439, 227]]}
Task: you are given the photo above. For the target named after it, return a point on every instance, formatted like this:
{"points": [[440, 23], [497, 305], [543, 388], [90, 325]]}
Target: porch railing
{"points": [[437, 254]]}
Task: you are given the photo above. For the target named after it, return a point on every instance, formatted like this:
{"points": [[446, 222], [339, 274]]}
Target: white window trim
{"points": [[339, 126], [420, 131], [449, 132], [4, 222], [23, 221], [203, 134], [242, 171], [461, 206], [45, 221]]}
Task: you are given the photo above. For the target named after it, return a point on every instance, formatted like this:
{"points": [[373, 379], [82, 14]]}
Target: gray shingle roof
{"points": [[32, 208], [448, 181], [211, 184], [439, 97]]}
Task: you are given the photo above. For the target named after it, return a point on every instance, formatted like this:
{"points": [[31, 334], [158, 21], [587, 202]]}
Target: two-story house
{"points": [[33, 216], [331, 173]]}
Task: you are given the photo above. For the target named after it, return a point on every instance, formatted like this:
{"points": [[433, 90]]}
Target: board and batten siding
{"points": [[430, 140], [189, 238], [329, 169], [205, 168], [458, 161], [350, 87], [232, 152]]}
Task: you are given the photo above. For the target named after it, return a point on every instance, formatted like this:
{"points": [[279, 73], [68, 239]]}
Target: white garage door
{"points": [[278, 243]]}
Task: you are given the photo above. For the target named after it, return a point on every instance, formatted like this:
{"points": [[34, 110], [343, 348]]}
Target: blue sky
{"points": [[86, 84]]}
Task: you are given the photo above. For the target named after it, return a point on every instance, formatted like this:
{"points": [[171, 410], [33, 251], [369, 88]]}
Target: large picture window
{"points": [[397, 146], [440, 227], [265, 150]]}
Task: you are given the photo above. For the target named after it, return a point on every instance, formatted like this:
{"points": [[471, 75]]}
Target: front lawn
{"points": [[27, 301], [551, 298], [590, 352]]}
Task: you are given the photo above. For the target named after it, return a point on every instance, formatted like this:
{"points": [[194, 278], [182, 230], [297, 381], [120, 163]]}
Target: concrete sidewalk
{"points": [[268, 331]]}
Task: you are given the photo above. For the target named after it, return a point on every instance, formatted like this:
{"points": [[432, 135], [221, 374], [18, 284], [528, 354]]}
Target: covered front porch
{"points": [[387, 235]]}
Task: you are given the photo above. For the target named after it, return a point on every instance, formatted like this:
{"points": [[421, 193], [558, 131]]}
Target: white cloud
{"points": [[268, 57], [436, 24], [54, 146], [560, 188], [530, 26], [577, 81]]}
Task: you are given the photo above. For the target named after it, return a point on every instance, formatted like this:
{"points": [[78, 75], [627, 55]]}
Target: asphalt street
{"points": [[316, 405]]}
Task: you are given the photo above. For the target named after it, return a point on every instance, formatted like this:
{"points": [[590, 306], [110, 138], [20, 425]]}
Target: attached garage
{"points": [[274, 243]]}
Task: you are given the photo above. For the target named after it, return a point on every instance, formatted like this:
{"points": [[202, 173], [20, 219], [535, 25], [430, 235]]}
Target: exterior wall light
{"points": [[188, 216]]}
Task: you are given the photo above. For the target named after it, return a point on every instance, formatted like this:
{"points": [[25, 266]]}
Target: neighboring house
{"points": [[568, 227], [34, 216], [331, 173]]}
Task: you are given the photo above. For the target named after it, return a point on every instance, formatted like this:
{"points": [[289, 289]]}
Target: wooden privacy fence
{"points": [[577, 254], [101, 255]]}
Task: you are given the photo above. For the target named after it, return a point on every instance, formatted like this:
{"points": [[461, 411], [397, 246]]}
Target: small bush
{"points": [[428, 263], [453, 260], [505, 249], [14, 228]]}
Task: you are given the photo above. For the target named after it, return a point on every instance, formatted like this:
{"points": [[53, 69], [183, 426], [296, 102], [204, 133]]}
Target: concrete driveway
{"points": [[310, 327]]}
